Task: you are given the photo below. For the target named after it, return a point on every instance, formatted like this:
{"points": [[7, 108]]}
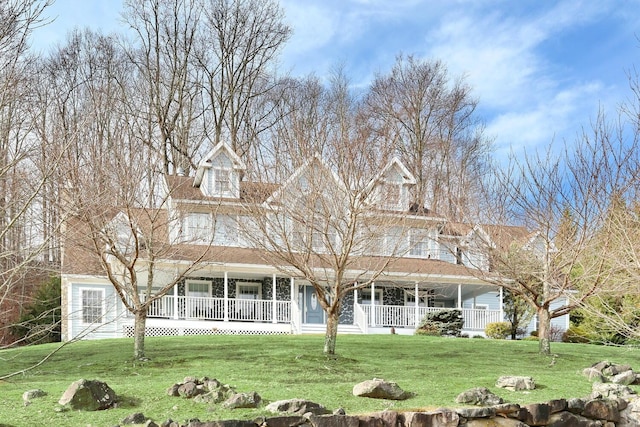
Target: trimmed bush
{"points": [[498, 330], [576, 334], [446, 322]]}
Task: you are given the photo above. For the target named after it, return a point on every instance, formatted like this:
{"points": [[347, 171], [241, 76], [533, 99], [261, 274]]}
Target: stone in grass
{"points": [[137, 418], [479, 396], [243, 400], [515, 383], [88, 395], [32, 394], [380, 389]]}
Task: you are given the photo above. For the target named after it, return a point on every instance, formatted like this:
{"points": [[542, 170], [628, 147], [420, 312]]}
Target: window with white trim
{"points": [[410, 298], [246, 290], [391, 194], [221, 181], [225, 230], [92, 305], [246, 293], [197, 227], [365, 297], [419, 244]]}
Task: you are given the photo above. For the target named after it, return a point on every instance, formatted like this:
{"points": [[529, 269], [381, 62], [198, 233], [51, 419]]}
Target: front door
{"points": [[313, 312]]}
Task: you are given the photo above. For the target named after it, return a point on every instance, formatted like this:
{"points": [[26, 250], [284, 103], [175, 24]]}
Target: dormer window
{"points": [[391, 186], [392, 196], [219, 173], [221, 182]]}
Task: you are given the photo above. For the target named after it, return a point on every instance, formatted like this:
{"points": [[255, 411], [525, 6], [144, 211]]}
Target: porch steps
{"points": [[321, 329]]}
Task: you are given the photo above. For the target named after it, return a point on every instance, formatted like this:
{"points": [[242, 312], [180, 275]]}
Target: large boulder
{"points": [[380, 389], [602, 409], [610, 391], [480, 396], [438, 418], [88, 395], [630, 416], [515, 383], [625, 378], [607, 372]]}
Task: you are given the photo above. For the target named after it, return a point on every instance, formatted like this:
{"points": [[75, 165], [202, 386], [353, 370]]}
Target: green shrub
{"points": [[40, 322], [530, 338], [576, 334], [498, 330], [446, 322], [428, 330], [534, 333]]}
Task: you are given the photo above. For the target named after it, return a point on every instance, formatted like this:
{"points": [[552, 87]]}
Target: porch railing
{"points": [[405, 316], [204, 308], [477, 319]]}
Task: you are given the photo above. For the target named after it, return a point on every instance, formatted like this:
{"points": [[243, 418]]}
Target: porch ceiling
{"points": [[448, 290]]}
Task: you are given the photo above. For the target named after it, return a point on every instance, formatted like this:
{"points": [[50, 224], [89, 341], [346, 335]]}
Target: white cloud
{"points": [[313, 26], [555, 119]]}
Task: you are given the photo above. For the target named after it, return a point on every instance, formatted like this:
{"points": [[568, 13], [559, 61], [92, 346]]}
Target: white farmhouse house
{"points": [[239, 290]]}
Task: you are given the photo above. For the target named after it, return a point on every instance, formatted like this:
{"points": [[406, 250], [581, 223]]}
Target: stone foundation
{"points": [[556, 413]]}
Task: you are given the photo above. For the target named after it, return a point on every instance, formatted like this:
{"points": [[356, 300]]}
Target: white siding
{"points": [[109, 327], [489, 299]]}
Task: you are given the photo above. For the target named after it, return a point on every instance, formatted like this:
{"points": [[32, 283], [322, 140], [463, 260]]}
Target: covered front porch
{"points": [[294, 308]]}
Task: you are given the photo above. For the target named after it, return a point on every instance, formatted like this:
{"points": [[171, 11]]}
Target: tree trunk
{"points": [[544, 331], [333, 319], [138, 334]]}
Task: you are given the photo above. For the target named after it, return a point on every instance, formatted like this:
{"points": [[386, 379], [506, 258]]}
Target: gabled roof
{"points": [[207, 160], [182, 188], [407, 176], [316, 160], [497, 236]]}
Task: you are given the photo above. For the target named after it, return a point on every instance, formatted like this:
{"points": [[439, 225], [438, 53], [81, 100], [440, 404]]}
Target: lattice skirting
{"points": [[159, 331]]}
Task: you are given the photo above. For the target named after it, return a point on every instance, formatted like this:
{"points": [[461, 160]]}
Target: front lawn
{"points": [[284, 367]]}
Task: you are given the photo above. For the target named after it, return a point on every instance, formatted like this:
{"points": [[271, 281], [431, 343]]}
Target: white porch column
{"points": [[175, 301], [355, 301], [501, 304], [292, 304], [459, 296], [416, 308], [274, 312], [292, 284], [226, 297], [373, 302]]}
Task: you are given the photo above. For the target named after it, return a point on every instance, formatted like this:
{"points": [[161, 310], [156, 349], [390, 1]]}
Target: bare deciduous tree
{"points": [[22, 235], [326, 224], [168, 106], [429, 118], [563, 198], [239, 42]]}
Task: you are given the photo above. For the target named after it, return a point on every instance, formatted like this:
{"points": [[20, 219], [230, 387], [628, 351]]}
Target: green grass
{"points": [[283, 367]]}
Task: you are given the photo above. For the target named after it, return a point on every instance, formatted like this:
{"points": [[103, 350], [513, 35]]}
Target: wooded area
{"points": [[87, 128]]}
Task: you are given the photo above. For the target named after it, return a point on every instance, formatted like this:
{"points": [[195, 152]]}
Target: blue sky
{"points": [[541, 69]]}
